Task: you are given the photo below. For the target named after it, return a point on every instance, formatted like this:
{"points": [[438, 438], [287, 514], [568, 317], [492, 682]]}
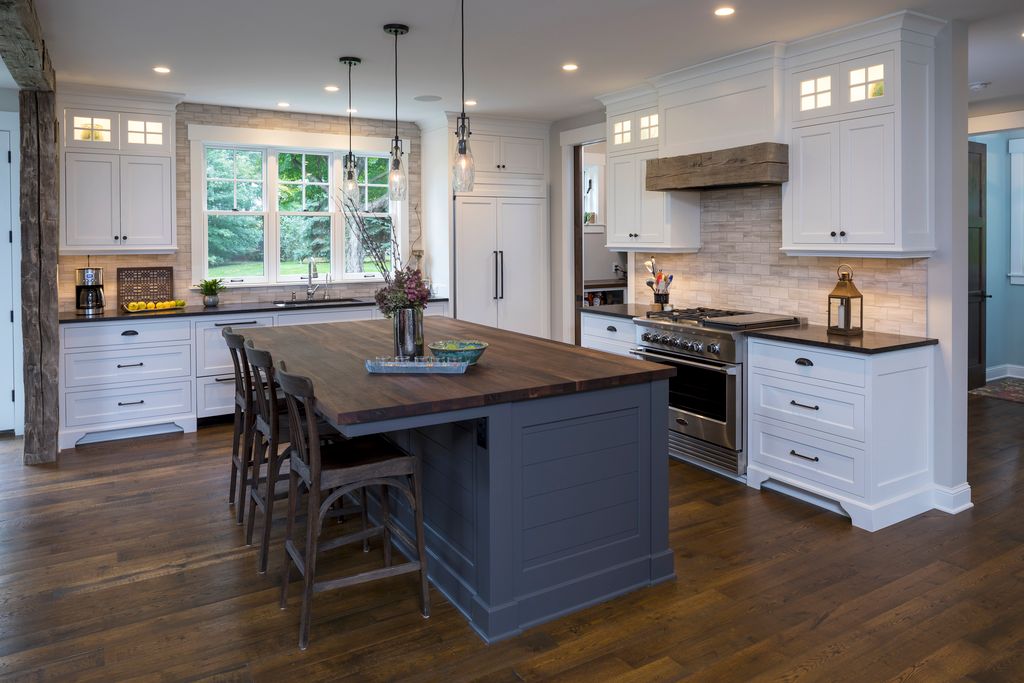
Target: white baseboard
{"points": [[1006, 370], [952, 499]]}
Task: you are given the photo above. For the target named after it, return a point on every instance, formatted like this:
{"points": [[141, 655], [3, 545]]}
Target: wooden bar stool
{"points": [[242, 435], [329, 471]]}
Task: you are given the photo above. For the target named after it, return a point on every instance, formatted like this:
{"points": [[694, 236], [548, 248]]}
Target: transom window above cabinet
{"points": [[852, 85], [649, 127], [91, 129], [816, 93], [621, 133], [867, 83], [636, 130], [145, 132]]}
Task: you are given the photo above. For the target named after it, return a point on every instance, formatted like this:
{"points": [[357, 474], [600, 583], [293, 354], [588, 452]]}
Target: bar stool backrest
{"points": [[301, 403], [263, 377], [243, 377]]}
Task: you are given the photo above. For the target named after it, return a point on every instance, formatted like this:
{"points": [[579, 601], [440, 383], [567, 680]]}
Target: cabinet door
{"points": [[623, 197], [522, 155], [868, 194], [146, 133], [621, 133], [814, 183], [523, 266], [92, 208], [212, 355], [146, 203], [651, 222], [486, 152], [89, 129], [815, 93], [867, 82], [476, 260]]}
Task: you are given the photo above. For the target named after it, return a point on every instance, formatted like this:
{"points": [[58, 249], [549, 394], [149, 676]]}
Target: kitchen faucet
{"points": [[312, 275]]}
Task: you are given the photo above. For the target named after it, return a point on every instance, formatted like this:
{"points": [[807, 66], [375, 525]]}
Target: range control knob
{"points": [[687, 345], [677, 342], [714, 348], [646, 336], [665, 339], [698, 346]]}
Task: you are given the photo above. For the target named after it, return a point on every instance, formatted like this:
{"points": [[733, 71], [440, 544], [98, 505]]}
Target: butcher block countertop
{"points": [[515, 367]]}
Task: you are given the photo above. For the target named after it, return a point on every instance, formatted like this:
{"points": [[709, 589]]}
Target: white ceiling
{"points": [[997, 55], [258, 52]]}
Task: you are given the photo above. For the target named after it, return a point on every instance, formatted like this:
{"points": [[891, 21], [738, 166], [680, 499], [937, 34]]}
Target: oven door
{"points": [[704, 399]]}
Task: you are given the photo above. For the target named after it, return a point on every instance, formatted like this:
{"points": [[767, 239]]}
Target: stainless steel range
{"points": [[707, 348]]}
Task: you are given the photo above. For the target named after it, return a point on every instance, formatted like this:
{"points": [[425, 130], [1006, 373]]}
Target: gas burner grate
{"points": [[692, 314]]}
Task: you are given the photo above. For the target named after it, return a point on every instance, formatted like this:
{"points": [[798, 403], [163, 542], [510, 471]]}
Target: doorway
{"points": [[977, 297], [9, 269]]}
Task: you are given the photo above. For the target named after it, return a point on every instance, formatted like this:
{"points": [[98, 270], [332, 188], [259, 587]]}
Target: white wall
{"points": [[8, 99]]}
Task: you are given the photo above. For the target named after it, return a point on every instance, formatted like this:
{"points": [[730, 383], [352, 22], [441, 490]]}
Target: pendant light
{"points": [[464, 168], [350, 175], [398, 177]]}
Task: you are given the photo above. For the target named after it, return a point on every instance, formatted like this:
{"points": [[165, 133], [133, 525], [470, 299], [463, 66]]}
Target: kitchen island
{"points": [[545, 466]]}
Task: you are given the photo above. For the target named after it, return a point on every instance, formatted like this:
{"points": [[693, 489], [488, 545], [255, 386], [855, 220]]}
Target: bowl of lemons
{"points": [[150, 306]]}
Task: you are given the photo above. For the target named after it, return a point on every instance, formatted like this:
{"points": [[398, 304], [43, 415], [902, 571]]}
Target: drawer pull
{"points": [[130, 403], [805, 457], [130, 333], [612, 328], [129, 365], [244, 322], [804, 405], [806, 362], [682, 422], [224, 379]]}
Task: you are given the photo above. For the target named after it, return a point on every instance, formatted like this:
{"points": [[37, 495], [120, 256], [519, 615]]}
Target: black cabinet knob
{"points": [[117, 237], [833, 233], [842, 233]]}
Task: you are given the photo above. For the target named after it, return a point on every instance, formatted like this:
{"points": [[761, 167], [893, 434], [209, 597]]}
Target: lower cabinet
{"points": [[851, 428], [608, 333]]}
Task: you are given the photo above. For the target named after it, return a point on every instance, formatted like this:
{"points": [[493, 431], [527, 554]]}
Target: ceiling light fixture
{"points": [[332, 88], [725, 12], [427, 98], [162, 69], [978, 86], [470, 103], [283, 104], [350, 181], [398, 177], [464, 168], [570, 67]]}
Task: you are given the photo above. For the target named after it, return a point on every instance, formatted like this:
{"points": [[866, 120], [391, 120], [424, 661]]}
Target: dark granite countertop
{"points": [[619, 310], [868, 343], [113, 313]]}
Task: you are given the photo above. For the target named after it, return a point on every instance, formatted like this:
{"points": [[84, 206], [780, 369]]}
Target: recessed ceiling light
{"points": [[427, 98], [570, 67], [283, 104], [470, 103], [161, 69], [724, 12], [978, 86], [331, 88], [351, 110]]}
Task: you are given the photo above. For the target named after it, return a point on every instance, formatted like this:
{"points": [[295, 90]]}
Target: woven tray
{"points": [[144, 284]]}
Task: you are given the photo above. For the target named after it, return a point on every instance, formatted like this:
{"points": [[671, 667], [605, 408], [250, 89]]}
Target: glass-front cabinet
{"points": [[846, 87], [635, 130]]}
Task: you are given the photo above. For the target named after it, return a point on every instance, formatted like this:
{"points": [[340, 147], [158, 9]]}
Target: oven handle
{"points": [[725, 370]]}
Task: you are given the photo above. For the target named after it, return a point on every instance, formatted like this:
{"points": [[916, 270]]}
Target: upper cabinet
{"points": [[861, 123], [117, 152], [634, 130], [507, 154]]}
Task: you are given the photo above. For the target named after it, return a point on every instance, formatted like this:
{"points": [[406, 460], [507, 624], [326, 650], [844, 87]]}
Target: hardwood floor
{"points": [[124, 563]]}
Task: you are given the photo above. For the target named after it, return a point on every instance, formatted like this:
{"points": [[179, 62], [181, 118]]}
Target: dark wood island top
{"points": [[515, 367]]}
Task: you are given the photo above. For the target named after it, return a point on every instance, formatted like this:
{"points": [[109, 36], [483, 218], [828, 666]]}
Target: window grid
{"points": [[867, 83], [816, 93], [649, 127], [622, 133], [145, 132], [309, 216], [91, 129]]}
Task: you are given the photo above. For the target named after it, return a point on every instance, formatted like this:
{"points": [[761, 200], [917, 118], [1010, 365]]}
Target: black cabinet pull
{"points": [[612, 328], [495, 297], [224, 379], [130, 333], [806, 362], [502, 274], [130, 403], [805, 457], [129, 365], [244, 322], [682, 422], [804, 405]]}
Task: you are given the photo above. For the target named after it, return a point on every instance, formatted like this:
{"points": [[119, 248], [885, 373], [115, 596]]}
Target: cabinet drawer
{"points": [[807, 362], [84, 335], [807, 457], [91, 368], [212, 356], [215, 395], [101, 406], [331, 315], [608, 327], [606, 345], [837, 413]]}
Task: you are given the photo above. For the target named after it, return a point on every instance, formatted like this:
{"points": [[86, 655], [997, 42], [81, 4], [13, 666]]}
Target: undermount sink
{"points": [[303, 303]]}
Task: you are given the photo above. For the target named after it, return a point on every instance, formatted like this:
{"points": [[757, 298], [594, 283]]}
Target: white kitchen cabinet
{"points": [[508, 154], [612, 334], [212, 355], [848, 427], [501, 247], [147, 206], [633, 130], [90, 129], [146, 133], [92, 204], [330, 315]]}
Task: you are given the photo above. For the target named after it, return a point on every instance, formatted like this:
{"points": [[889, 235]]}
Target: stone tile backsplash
{"points": [[216, 115], [740, 266]]}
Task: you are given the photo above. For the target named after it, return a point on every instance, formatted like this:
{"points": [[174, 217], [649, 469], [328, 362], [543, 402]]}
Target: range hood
{"points": [[766, 163]]}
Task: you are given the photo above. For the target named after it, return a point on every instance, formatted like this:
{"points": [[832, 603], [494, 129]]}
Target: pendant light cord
{"points": [[396, 86], [462, 21], [349, 160]]}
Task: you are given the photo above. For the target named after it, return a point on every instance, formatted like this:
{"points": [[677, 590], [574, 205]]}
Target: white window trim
{"points": [[273, 141], [1017, 212]]}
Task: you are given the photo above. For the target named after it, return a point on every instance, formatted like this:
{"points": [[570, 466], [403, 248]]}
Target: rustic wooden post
{"points": [[24, 54]]}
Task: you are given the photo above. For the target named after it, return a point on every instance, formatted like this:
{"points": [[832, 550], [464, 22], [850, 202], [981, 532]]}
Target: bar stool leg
{"points": [[236, 442], [286, 572], [259, 455], [421, 549], [385, 516], [309, 571], [246, 460], [273, 464], [362, 505]]}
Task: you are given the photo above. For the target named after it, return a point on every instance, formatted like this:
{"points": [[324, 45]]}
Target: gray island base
{"points": [[534, 508]]}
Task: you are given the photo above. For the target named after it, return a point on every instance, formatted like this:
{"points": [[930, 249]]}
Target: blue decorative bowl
{"points": [[458, 350]]}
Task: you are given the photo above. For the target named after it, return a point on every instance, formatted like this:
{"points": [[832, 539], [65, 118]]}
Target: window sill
{"points": [[297, 284]]}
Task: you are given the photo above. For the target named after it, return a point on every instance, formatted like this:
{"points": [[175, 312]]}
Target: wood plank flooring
{"points": [[123, 563]]}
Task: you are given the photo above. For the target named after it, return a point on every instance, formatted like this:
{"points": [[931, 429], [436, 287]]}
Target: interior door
{"points": [[7, 365], [523, 270], [92, 201], [146, 211], [976, 296], [476, 260]]}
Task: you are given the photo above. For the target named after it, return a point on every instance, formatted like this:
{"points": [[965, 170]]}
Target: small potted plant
{"points": [[210, 290]]}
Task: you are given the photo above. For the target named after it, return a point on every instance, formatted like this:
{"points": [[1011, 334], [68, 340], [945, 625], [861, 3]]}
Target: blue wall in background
{"points": [[1005, 324]]}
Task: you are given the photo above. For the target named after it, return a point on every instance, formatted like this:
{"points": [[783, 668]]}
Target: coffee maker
{"points": [[89, 291]]}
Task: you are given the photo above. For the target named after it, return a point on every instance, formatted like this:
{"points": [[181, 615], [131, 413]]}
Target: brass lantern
{"points": [[845, 305]]}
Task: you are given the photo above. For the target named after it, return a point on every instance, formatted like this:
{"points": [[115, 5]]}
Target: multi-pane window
{"points": [[867, 83], [267, 211], [622, 133], [649, 127], [145, 132], [91, 128], [816, 93]]}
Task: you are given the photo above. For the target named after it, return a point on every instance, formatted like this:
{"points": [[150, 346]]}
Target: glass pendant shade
{"points": [[350, 182], [398, 178], [464, 168]]}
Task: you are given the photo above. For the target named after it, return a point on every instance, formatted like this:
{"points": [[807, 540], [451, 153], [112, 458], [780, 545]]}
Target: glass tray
{"points": [[417, 366]]}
